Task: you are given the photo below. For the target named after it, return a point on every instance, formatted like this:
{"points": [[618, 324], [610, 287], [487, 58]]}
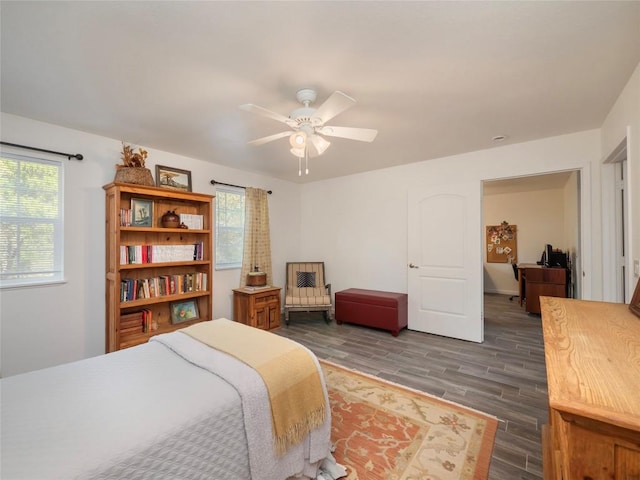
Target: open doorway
{"points": [[545, 209]]}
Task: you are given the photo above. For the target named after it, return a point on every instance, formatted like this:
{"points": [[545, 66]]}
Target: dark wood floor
{"points": [[504, 376]]}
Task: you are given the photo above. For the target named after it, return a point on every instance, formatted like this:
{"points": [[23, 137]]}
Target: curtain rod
{"points": [[213, 182], [77, 156]]}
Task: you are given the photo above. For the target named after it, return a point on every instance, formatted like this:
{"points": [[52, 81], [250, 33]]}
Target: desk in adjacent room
{"points": [[537, 280]]}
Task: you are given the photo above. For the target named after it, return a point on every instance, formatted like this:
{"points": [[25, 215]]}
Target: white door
{"points": [[445, 261]]}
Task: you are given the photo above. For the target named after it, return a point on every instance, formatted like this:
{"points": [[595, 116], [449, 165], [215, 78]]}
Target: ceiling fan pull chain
{"points": [[306, 161], [299, 166]]}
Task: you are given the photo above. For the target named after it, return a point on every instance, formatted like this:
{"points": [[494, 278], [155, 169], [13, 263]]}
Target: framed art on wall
{"points": [[175, 178]]}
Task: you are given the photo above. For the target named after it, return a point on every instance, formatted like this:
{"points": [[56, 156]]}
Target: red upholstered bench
{"points": [[372, 308]]}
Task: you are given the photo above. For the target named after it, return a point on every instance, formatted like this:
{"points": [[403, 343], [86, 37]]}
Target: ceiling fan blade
{"points": [[361, 134], [250, 107], [318, 144], [337, 103], [270, 138]]}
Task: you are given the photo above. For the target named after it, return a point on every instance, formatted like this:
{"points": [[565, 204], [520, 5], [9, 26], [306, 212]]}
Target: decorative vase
{"points": [[170, 220]]}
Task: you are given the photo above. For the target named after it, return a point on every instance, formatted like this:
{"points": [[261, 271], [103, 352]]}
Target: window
{"points": [[31, 221], [229, 227]]}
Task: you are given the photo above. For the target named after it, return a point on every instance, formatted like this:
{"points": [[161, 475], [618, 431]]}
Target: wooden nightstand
{"points": [[257, 306]]}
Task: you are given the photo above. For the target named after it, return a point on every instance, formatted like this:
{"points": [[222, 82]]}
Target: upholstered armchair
{"points": [[306, 290]]}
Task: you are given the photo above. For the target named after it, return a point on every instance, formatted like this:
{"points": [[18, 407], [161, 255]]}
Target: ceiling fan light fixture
{"points": [[298, 140], [307, 125], [298, 152], [320, 144]]}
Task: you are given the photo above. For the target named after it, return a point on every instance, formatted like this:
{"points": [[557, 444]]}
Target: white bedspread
{"points": [[303, 458], [144, 412]]}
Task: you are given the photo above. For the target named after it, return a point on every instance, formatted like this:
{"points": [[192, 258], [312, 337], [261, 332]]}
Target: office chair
{"points": [[515, 274]]}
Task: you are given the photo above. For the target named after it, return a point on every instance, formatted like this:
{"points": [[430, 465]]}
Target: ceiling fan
{"points": [[307, 124]]}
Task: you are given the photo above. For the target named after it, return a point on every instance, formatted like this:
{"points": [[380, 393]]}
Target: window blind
{"points": [[31, 220]]}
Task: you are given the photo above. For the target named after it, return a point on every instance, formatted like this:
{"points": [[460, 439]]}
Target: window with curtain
{"points": [[31, 221], [229, 234]]}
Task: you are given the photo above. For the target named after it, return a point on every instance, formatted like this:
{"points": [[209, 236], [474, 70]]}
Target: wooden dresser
{"points": [[592, 353], [257, 306]]}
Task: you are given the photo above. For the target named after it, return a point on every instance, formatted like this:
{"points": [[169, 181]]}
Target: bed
{"points": [[171, 408]]}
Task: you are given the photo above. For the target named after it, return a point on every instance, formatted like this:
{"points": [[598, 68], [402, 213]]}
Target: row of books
{"points": [[136, 289], [125, 217], [131, 254], [137, 322]]}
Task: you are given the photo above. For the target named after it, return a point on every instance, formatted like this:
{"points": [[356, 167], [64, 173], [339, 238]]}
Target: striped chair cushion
{"points": [[320, 300]]}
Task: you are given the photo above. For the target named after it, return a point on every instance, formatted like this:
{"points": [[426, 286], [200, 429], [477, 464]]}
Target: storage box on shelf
{"points": [[149, 268]]}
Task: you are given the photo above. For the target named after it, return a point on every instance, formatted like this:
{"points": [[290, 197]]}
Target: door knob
{"points": [[411, 265]]}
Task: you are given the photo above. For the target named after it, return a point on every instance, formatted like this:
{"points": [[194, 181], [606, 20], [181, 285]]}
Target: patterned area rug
{"points": [[385, 431]]}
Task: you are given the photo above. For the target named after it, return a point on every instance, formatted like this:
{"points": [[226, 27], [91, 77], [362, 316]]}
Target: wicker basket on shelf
{"points": [[135, 175]]}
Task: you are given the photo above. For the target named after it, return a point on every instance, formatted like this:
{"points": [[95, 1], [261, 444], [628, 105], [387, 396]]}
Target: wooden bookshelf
{"points": [[124, 278]]}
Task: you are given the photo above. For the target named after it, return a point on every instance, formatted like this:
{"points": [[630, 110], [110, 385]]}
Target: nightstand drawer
{"points": [[266, 299]]}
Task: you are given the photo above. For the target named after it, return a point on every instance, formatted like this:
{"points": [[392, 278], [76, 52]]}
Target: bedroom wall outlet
{"points": [[636, 268]]}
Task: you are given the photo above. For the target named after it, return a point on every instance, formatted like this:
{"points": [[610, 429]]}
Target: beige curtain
{"points": [[257, 241]]}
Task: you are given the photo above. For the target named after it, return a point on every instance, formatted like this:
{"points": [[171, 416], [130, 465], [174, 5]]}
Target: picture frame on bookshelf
{"points": [[141, 212], [184, 311], [174, 178]]}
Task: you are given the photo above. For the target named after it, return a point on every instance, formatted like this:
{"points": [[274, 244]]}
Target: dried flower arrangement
{"points": [[131, 158], [132, 169]]}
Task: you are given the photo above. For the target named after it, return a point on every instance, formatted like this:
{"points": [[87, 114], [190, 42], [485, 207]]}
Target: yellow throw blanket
{"points": [[289, 372]]}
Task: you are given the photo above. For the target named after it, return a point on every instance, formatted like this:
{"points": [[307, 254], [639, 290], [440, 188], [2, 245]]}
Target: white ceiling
{"points": [[434, 78]]}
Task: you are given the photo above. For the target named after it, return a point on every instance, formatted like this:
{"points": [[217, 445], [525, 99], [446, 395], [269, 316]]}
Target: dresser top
{"points": [[592, 353]]}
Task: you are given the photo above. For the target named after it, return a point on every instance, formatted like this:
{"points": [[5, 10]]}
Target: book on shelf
{"points": [[149, 324], [193, 222], [141, 288], [141, 254], [132, 330], [125, 217], [131, 323], [138, 322]]}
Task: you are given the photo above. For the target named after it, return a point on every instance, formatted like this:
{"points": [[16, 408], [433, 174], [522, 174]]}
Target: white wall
{"points": [[49, 325], [358, 224], [623, 122]]}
